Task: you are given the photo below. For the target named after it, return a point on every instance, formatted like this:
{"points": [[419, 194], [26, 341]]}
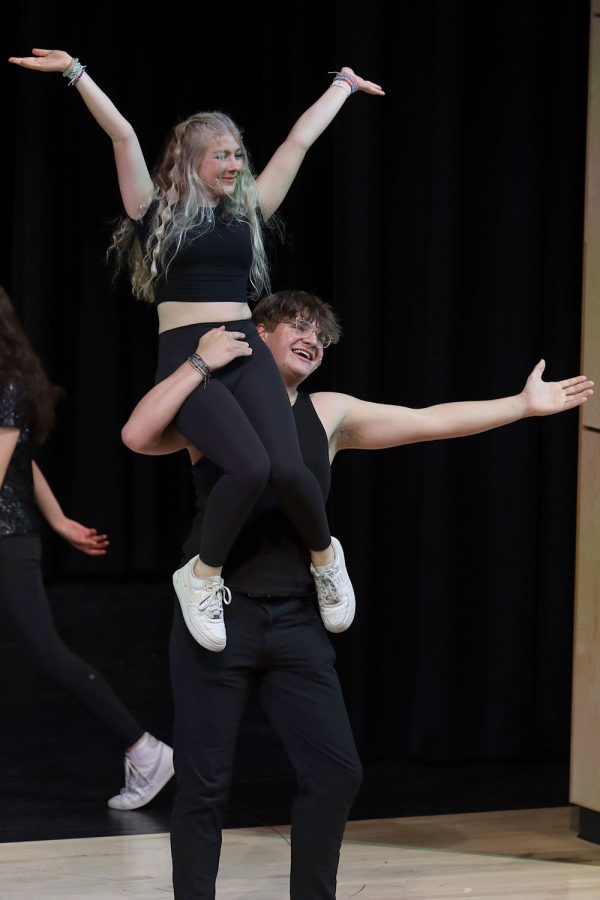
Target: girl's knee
{"points": [[286, 474], [254, 477]]}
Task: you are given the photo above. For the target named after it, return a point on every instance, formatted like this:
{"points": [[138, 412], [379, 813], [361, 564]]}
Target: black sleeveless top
{"points": [[214, 265], [18, 509], [268, 557]]}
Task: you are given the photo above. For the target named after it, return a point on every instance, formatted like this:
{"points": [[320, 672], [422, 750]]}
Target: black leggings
{"points": [[25, 603], [243, 423]]}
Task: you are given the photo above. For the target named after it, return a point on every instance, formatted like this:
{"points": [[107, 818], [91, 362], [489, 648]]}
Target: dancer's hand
{"points": [[368, 87], [543, 398], [87, 540], [44, 60], [218, 347]]}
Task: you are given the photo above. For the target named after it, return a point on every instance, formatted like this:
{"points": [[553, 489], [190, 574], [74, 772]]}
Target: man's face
{"points": [[297, 355]]}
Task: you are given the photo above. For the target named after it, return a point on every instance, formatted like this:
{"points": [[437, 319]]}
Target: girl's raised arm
{"points": [[134, 178], [276, 179]]}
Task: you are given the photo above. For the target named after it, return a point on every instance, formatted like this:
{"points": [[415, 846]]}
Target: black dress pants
{"points": [[282, 643]]}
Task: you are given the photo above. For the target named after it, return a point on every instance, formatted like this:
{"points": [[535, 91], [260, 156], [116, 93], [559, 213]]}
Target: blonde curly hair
{"points": [[183, 205]]}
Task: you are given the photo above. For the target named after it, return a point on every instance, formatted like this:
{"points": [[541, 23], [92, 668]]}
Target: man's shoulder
{"points": [[331, 408], [328, 399]]}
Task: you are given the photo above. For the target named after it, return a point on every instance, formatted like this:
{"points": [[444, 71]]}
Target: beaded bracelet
{"points": [[342, 79], [74, 72], [197, 363]]}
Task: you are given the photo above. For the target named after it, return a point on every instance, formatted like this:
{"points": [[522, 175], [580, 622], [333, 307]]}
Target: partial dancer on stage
{"points": [[193, 237], [26, 416], [275, 637]]}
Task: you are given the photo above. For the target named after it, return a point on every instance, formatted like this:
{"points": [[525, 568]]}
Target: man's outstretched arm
{"points": [[360, 425]]}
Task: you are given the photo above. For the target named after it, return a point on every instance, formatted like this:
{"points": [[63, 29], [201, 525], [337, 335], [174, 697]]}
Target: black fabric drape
{"points": [[444, 223]]}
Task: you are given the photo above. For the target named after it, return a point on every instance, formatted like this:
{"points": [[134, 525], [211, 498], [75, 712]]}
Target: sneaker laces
{"points": [[213, 604], [328, 588]]}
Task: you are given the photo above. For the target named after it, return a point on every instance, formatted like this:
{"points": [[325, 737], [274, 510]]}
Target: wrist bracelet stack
{"points": [[197, 363], [74, 72], [345, 82]]}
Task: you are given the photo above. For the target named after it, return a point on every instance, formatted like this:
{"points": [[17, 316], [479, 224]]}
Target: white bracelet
{"points": [[337, 82], [342, 79], [74, 72]]}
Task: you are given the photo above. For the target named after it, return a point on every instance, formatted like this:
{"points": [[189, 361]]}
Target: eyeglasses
{"points": [[304, 327]]}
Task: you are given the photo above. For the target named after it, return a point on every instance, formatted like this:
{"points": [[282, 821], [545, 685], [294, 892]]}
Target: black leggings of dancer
{"points": [[25, 603], [243, 422]]}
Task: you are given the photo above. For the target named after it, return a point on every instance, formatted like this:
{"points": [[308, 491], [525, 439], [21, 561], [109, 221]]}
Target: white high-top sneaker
{"points": [[145, 774]]}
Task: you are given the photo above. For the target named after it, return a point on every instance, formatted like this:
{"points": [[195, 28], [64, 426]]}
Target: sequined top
{"points": [[18, 509]]}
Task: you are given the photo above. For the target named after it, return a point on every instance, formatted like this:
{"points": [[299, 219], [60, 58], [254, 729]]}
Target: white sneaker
{"points": [[144, 780], [201, 601], [334, 591]]}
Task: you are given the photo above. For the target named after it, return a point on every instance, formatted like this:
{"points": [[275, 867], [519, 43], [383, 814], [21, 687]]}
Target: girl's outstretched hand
{"points": [[368, 87], [44, 60]]}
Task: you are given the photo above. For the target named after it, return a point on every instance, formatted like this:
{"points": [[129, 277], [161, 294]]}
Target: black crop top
{"points": [[214, 265], [268, 557], [18, 509]]}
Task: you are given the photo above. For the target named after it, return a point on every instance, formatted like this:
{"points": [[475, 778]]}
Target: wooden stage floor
{"points": [[522, 855]]}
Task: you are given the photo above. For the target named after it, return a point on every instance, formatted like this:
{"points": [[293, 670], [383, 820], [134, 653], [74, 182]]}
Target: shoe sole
{"points": [[207, 642]]}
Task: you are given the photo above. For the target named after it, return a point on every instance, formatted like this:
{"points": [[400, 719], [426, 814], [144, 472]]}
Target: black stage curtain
{"points": [[444, 223]]}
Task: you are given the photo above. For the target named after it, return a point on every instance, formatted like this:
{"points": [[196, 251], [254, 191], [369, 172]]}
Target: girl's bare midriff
{"points": [[175, 313]]}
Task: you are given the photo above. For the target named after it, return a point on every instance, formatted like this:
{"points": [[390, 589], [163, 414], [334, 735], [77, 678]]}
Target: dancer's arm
{"points": [[134, 178], [8, 442], [79, 536], [148, 430], [359, 425], [276, 178]]}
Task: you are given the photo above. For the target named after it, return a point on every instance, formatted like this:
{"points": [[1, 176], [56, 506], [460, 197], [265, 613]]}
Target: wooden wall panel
{"points": [[591, 272], [585, 755], [585, 751]]}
